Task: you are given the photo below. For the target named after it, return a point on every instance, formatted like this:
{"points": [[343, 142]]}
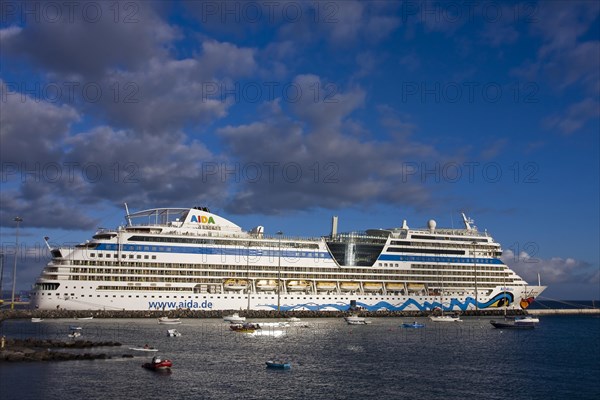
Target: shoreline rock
{"points": [[254, 314], [16, 350]]}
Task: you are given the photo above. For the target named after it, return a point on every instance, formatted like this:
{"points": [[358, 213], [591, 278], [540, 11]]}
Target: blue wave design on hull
{"points": [[425, 306]]}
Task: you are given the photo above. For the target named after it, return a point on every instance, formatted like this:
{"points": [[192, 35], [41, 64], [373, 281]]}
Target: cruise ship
{"points": [[190, 258]]}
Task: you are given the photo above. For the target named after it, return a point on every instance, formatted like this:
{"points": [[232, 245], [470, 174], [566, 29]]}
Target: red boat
{"points": [[158, 364]]}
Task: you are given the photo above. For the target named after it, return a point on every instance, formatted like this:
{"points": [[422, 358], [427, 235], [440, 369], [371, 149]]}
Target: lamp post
{"points": [[279, 233], [475, 265], [18, 220]]}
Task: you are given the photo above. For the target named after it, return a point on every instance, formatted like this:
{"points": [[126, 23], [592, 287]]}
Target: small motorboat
{"points": [[356, 320], [527, 319], [234, 318], [36, 320], [263, 325], [173, 333], [513, 324], [158, 364], [144, 348], [248, 327], [75, 331], [445, 318], [169, 321], [413, 325], [84, 318], [278, 365]]}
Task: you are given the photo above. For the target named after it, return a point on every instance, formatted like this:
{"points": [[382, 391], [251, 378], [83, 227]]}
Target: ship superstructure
{"points": [[190, 258]]}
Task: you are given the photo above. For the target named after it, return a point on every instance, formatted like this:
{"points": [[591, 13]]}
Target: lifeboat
{"points": [[326, 286], [235, 284], [298, 285], [394, 286], [372, 286], [349, 286], [266, 285]]}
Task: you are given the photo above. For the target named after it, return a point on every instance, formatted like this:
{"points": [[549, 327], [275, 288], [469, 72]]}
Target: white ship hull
{"points": [[192, 264]]}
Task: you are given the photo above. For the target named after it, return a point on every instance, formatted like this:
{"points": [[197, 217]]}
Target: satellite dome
{"points": [[431, 225]]}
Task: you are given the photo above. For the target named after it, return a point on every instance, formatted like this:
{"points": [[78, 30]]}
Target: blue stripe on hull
{"points": [[425, 306]]}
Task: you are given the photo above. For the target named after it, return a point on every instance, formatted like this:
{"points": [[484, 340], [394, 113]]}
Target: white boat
{"points": [[445, 318], [144, 348], [173, 333], [184, 258], [234, 318], [263, 325], [84, 318], [527, 319], [356, 320], [294, 319], [169, 321], [75, 334], [36, 320]]}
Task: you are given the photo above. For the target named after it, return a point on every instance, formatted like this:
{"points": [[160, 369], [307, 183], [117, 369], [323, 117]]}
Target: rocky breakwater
{"points": [[14, 350]]}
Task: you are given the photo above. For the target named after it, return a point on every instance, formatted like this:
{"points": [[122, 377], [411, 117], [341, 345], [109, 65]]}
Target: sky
{"points": [[285, 113]]}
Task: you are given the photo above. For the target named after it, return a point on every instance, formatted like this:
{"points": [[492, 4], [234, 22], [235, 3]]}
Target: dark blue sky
{"points": [[285, 113]]}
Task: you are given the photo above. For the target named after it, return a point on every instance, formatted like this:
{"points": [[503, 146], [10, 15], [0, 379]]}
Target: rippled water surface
{"points": [[330, 360]]}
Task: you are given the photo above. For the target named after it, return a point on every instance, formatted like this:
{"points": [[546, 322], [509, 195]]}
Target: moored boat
{"points": [[173, 333], [356, 320], [144, 348], [512, 325], [169, 321], [278, 365], [413, 325], [234, 318], [527, 319], [247, 327], [36, 320], [158, 364], [445, 318]]}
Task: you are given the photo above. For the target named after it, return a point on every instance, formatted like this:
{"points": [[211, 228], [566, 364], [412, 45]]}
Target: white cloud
{"points": [[555, 270]]}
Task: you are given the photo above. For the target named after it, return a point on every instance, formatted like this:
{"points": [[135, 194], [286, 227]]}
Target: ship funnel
{"points": [[334, 224], [404, 224]]}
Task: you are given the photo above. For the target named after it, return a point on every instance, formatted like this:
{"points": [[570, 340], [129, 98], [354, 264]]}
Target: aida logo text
{"points": [[202, 219]]}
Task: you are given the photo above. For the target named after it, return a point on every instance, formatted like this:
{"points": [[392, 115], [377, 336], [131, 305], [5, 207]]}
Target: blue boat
{"points": [[278, 365], [413, 325]]}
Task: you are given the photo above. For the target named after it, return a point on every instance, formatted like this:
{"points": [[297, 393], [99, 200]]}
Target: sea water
{"points": [[330, 360]]}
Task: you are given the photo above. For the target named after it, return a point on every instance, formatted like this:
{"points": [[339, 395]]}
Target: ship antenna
{"points": [[46, 241], [466, 221], [127, 215]]}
